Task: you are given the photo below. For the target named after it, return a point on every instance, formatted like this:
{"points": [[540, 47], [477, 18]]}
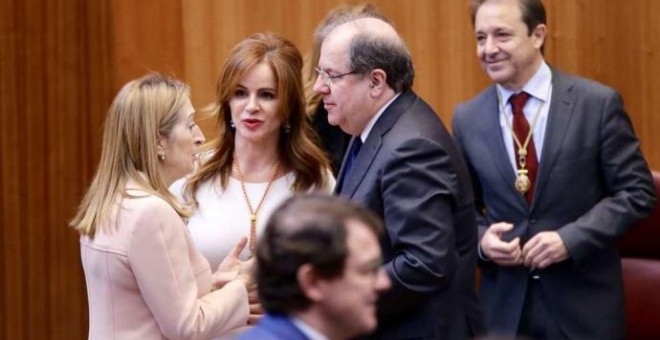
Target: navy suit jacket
{"points": [[592, 185], [274, 327], [410, 172]]}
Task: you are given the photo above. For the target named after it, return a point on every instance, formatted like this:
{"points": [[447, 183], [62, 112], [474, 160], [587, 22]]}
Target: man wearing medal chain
{"points": [[558, 176]]}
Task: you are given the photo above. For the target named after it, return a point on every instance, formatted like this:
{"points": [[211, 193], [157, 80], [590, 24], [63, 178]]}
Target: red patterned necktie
{"points": [[521, 129]]}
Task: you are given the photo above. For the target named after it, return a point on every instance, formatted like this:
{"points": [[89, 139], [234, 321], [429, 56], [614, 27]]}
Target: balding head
{"points": [[362, 66], [376, 28], [372, 44]]}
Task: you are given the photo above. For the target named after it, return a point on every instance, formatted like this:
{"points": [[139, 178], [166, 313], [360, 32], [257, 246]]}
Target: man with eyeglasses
{"points": [[403, 165]]}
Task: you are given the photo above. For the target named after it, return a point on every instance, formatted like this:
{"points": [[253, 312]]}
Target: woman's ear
{"points": [[161, 146]]}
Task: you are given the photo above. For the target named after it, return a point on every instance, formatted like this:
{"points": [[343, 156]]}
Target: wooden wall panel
{"points": [[582, 40], [62, 62], [147, 37], [616, 43], [55, 83], [437, 33]]}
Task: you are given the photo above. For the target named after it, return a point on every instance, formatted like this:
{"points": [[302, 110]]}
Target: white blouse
{"points": [[222, 217]]}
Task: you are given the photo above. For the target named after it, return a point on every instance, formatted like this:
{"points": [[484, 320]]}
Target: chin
{"points": [[500, 79], [499, 74], [369, 326], [332, 121]]}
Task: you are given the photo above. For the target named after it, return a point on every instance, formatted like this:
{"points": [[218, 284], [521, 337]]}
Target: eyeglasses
{"points": [[328, 79]]}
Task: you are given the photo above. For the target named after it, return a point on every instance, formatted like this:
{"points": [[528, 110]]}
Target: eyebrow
{"points": [[239, 85], [327, 70]]}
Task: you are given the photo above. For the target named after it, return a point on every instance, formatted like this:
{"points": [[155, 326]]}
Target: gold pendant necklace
{"points": [[252, 240], [522, 182]]}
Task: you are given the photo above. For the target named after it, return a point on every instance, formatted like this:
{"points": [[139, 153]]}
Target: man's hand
{"points": [[498, 251], [544, 249]]}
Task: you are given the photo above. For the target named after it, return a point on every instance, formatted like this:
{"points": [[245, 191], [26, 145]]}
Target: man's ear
{"points": [[377, 81], [310, 283], [539, 35]]}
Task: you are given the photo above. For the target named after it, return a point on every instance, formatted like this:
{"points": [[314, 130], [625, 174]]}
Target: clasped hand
{"points": [[542, 250]]}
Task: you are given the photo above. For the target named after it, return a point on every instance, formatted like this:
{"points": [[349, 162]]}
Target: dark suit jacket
{"points": [[274, 327], [410, 173], [593, 184]]}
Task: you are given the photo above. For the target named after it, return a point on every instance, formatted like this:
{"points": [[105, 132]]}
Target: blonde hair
{"points": [[297, 148], [143, 110], [336, 17]]}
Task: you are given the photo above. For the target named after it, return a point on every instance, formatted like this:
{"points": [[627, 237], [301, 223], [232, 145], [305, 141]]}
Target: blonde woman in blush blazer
{"points": [[145, 278]]}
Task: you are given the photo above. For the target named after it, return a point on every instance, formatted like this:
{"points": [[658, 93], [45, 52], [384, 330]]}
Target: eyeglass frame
{"points": [[328, 79]]}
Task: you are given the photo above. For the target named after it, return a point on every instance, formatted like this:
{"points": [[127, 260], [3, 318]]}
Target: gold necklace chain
{"points": [[522, 148], [522, 182], [253, 212]]}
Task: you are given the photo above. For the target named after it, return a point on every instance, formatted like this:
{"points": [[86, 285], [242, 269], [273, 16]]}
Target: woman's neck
{"points": [[256, 161]]}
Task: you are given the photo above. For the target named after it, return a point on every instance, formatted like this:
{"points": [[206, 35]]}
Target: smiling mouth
{"points": [[494, 62]]}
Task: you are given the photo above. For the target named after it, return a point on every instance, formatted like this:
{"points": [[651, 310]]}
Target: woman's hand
{"points": [[256, 311], [231, 266]]}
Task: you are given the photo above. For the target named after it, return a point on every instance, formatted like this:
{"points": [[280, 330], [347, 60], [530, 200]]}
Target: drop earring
{"points": [[161, 155], [287, 128], [232, 126]]}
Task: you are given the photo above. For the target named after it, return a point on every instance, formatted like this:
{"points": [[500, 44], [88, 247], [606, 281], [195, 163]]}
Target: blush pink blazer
{"points": [[146, 280]]}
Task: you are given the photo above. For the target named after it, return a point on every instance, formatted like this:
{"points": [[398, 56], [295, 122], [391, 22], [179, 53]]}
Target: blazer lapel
{"points": [[490, 129], [560, 113], [374, 141]]}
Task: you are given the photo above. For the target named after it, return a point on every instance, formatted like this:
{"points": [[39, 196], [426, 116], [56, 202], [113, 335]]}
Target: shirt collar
{"points": [[308, 330], [374, 119], [537, 86]]}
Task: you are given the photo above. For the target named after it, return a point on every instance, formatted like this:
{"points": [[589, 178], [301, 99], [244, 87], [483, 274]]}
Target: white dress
{"points": [[222, 217]]}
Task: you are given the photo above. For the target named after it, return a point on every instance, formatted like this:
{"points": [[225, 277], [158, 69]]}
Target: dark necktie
{"points": [[521, 129], [352, 155]]}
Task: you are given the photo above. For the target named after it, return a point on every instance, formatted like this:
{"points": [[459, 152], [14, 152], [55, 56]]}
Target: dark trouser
{"points": [[537, 321]]}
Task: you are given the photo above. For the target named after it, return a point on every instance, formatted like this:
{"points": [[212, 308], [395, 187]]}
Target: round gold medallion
{"points": [[522, 183]]}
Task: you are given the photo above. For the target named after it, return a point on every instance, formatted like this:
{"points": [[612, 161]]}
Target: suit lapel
{"points": [[496, 149], [374, 141], [560, 113]]}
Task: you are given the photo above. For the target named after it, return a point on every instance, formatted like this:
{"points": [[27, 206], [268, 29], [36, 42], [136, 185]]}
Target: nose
{"points": [[383, 282], [320, 85], [252, 105], [490, 46], [199, 136]]}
